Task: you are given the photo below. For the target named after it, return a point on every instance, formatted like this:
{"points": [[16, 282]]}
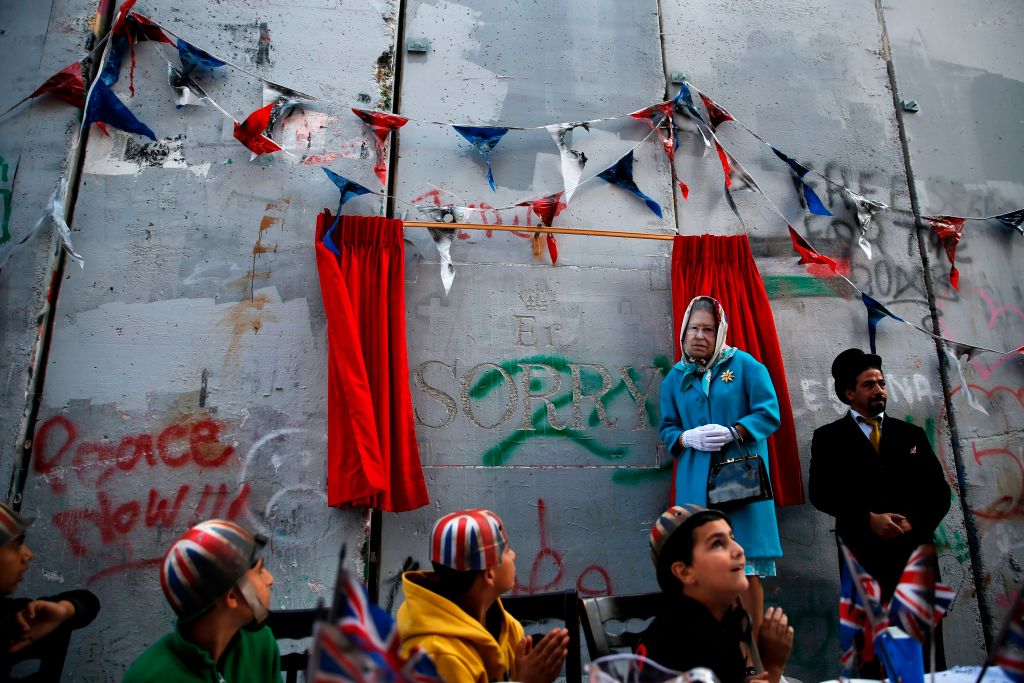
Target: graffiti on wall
{"points": [[62, 456]]}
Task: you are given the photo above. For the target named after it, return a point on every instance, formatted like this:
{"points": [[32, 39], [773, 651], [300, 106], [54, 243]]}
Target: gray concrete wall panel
{"points": [[958, 63], [187, 377]]}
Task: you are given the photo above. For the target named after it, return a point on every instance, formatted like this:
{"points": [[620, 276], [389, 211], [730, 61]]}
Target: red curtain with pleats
{"points": [[372, 456], [723, 268]]}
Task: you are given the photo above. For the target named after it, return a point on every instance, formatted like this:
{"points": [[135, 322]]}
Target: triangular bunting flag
{"points": [[485, 140], [573, 161], [865, 209], [546, 209], [814, 204], [250, 132], [443, 237], [193, 58], [67, 84], [348, 189], [949, 229], [876, 312], [621, 174], [443, 241], [684, 105], [953, 353], [103, 106], [655, 115], [1014, 219], [143, 28], [808, 255], [716, 114], [380, 124], [734, 171], [186, 91]]}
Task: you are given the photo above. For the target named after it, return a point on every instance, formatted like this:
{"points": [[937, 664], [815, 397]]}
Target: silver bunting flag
{"points": [[953, 353], [865, 209], [443, 237], [573, 160]]}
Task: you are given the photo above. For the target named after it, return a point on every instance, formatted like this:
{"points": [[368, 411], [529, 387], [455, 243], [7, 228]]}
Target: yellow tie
{"points": [[876, 430]]}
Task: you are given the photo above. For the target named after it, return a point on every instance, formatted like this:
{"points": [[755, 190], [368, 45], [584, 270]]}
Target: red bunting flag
{"points": [[546, 208], [250, 133], [552, 248], [381, 124], [949, 229], [685, 189], [654, 115], [138, 27], [716, 114], [724, 158], [808, 255], [67, 84]]}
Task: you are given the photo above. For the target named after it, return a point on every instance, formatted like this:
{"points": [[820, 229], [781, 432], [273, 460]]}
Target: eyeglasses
{"points": [[706, 331]]}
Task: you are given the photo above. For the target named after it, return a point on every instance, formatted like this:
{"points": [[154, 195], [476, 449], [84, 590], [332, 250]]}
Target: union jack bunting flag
{"points": [[920, 600], [363, 645], [1008, 653], [860, 611]]}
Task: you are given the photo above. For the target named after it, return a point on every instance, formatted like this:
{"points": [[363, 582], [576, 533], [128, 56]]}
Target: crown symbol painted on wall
{"points": [[537, 297]]}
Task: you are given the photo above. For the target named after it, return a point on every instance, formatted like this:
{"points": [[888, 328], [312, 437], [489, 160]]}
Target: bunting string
{"points": [[101, 106]]}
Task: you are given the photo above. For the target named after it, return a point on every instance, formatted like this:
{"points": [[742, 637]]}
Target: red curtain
{"points": [[723, 268], [372, 456]]}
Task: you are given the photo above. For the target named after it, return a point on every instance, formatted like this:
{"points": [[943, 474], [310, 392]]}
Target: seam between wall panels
{"points": [[921, 232], [47, 314]]}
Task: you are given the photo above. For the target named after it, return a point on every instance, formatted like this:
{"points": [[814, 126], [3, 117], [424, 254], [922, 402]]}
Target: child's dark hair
{"points": [[452, 583], [679, 548]]}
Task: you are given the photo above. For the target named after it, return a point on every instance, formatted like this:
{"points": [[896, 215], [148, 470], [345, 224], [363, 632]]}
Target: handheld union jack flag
{"points": [[1008, 653], [920, 600], [362, 645], [860, 611]]}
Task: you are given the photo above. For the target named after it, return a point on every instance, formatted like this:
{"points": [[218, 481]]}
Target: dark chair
{"points": [[50, 652], [294, 624], [596, 613], [534, 610]]}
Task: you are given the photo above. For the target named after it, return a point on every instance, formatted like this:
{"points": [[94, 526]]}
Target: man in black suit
{"points": [[877, 475]]}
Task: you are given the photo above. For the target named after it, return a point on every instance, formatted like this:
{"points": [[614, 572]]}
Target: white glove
{"points": [[707, 438]]}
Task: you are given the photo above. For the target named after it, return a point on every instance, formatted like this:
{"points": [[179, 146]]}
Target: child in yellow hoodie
{"points": [[456, 615]]}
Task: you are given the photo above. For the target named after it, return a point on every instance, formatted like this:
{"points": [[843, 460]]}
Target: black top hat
{"points": [[848, 365]]}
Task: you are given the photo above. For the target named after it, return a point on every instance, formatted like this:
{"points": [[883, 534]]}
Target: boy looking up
{"points": [[700, 568], [216, 582], [456, 615]]}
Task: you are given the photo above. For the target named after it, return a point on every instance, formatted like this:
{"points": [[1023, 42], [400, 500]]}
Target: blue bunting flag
{"points": [[485, 140], [876, 312], [193, 58], [349, 189], [1014, 219], [621, 174], [103, 106], [814, 204]]}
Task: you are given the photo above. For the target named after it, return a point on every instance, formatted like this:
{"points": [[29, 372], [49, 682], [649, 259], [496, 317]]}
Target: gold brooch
{"points": [[728, 376]]}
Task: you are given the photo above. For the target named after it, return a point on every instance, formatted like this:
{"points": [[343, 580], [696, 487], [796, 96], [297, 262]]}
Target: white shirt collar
{"points": [[854, 414]]}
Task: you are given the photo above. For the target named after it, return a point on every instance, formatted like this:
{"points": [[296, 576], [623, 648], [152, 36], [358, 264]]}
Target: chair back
{"points": [[597, 613], [534, 611], [294, 624], [50, 652]]}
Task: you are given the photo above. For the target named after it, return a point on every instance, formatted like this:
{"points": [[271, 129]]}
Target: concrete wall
{"points": [[187, 378]]}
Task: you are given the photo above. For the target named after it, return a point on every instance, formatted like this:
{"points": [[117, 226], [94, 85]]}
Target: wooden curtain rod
{"points": [[539, 228]]}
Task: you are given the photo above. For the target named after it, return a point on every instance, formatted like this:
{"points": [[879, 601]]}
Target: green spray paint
{"points": [[502, 452]]}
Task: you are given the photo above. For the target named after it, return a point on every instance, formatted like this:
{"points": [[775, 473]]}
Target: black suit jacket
{"points": [[848, 480]]}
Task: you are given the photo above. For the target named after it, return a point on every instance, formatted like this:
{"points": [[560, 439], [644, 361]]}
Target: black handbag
{"points": [[739, 480]]}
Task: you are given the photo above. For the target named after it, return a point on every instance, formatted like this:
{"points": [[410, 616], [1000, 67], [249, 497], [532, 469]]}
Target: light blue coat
{"points": [[748, 399]]}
